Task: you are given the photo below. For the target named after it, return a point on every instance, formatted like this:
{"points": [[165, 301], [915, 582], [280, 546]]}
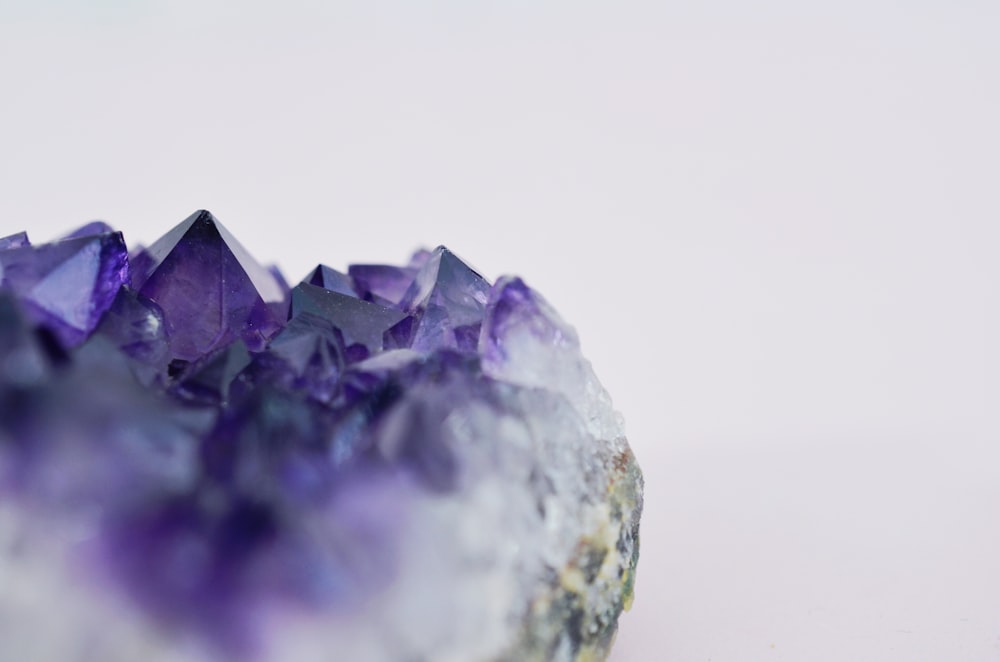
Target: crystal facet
{"points": [[198, 462], [362, 324], [331, 279], [68, 285], [210, 290]]}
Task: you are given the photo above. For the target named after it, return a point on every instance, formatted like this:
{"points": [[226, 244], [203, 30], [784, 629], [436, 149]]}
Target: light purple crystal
{"points": [[362, 324], [447, 299], [381, 283], [16, 240], [90, 229], [69, 284]]}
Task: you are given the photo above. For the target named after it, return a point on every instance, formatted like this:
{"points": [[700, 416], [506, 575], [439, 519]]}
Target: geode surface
{"points": [[397, 463]]}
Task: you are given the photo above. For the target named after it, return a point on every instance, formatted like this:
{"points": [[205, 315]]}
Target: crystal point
{"points": [[361, 322], [333, 280], [448, 299], [210, 290]]}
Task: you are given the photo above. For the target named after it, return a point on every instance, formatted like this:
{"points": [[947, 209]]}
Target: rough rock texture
{"points": [[198, 462]]}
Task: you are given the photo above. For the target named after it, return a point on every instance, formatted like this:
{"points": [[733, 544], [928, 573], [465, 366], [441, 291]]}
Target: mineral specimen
{"points": [[389, 464]]}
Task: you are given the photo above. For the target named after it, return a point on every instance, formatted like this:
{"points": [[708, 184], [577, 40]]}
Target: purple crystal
{"points": [[381, 283], [362, 324], [23, 361], [331, 279], [280, 308], [208, 380], [68, 285], [400, 462], [134, 325], [17, 240], [307, 355], [448, 299], [90, 229], [210, 290], [514, 307]]}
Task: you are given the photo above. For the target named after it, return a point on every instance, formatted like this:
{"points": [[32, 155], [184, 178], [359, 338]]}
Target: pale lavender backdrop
{"points": [[775, 227]]}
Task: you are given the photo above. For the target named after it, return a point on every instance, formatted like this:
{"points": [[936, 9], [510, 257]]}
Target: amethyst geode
{"points": [[198, 462]]}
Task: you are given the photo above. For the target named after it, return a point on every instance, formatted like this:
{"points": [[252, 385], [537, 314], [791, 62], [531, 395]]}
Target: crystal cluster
{"points": [[397, 463]]}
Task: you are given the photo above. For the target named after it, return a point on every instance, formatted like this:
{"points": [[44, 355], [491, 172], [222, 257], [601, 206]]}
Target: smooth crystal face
{"points": [[199, 462]]}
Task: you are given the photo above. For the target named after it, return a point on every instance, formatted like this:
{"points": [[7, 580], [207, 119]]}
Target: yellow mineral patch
{"points": [[628, 595], [572, 579]]}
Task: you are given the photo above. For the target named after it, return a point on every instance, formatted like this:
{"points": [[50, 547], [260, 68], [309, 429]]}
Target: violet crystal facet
{"points": [[198, 462]]}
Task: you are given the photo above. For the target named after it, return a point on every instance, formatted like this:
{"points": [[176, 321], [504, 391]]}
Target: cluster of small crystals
{"points": [[393, 463]]}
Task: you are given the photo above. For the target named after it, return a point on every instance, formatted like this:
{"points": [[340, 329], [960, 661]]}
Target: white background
{"points": [[775, 226]]}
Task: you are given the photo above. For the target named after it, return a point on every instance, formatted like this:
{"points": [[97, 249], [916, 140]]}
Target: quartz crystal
{"points": [[388, 464]]}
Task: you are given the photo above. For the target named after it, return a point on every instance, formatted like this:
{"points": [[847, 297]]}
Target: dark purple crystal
{"points": [[23, 360], [331, 279], [210, 290], [362, 324], [135, 325], [308, 355]]}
